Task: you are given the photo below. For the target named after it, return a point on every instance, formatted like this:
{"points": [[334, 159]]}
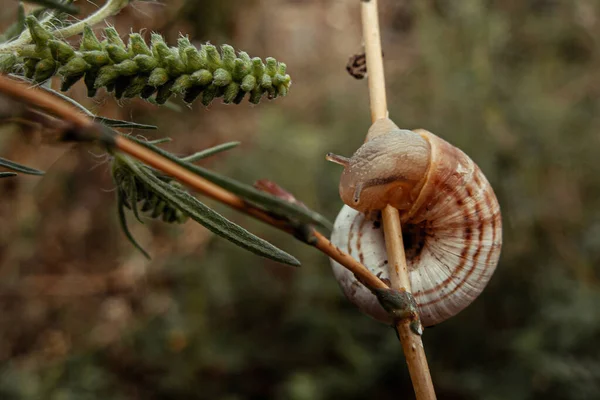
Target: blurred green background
{"points": [[515, 84]]}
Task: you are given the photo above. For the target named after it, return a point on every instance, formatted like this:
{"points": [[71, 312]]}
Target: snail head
{"points": [[388, 169]]}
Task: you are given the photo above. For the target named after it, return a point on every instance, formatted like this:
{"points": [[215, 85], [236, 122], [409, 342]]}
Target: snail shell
{"points": [[451, 222]]}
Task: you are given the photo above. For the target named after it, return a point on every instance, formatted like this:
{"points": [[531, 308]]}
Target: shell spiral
{"points": [[452, 235]]}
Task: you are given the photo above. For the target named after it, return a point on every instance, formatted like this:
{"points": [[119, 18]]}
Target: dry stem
{"points": [[399, 274]]}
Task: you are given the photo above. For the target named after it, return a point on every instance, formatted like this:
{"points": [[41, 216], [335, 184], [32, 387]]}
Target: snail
{"points": [[451, 222]]}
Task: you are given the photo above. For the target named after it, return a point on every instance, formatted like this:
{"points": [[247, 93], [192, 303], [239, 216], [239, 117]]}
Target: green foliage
{"points": [[13, 166], [137, 69], [163, 197]]}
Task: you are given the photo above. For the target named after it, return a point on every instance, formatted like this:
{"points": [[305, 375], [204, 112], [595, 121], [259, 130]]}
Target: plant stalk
{"points": [[412, 343]]}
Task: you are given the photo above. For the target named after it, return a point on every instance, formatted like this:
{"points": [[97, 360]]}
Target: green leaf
{"points": [[247, 192], [123, 223], [209, 152], [116, 123], [161, 140], [7, 174], [210, 219], [13, 166]]}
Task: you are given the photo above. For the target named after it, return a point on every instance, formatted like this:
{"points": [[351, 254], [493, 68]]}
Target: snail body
{"points": [[450, 216]]}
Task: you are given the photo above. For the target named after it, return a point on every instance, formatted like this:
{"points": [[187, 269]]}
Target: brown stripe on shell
{"points": [[464, 260], [467, 239], [351, 232]]}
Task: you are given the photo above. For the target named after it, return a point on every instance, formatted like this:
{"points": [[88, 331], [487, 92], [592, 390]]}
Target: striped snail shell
{"points": [[451, 222]]}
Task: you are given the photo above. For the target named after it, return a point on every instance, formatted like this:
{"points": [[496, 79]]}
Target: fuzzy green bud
{"points": [[116, 53], [202, 77], [7, 62], [246, 59], [145, 63], [248, 83], [44, 70], [160, 207], [209, 95], [164, 92], [39, 34], [271, 66], [127, 68], [231, 92], [182, 84], [278, 80], [281, 69], [33, 51], [158, 77], [96, 58], [183, 43], [160, 50], [174, 65], [227, 56], [60, 50], [29, 66], [266, 82], [255, 96], [180, 216], [212, 57], [239, 70], [76, 66], [107, 75], [222, 77], [90, 81], [138, 46], [113, 37], [282, 90], [258, 68], [193, 60], [89, 41]]}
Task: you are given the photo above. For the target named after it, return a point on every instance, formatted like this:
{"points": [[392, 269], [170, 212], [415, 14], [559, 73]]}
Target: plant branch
{"points": [[110, 8], [50, 103], [412, 343]]}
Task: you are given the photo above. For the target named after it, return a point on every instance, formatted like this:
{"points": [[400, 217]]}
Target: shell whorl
{"points": [[452, 235]]}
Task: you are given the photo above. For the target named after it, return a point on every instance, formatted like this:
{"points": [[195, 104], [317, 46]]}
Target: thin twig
{"points": [[399, 274], [38, 98]]}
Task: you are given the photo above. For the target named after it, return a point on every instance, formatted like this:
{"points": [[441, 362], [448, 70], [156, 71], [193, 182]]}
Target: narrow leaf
{"points": [[123, 223], [116, 123], [209, 152], [160, 141], [7, 174], [247, 192], [13, 166], [210, 219]]}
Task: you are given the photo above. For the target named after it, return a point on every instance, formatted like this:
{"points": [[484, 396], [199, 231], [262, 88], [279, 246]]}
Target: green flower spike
{"points": [[138, 69]]}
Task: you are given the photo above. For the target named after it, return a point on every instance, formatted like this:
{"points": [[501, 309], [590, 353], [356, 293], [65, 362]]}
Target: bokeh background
{"points": [[514, 83]]}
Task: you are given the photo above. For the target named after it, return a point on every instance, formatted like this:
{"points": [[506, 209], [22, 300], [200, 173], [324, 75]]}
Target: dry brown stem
{"points": [[399, 274]]}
